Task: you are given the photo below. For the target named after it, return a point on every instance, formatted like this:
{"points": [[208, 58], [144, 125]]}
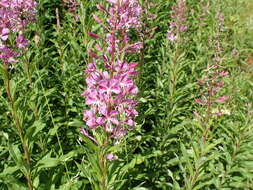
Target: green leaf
{"points": [[47, 162], [32, 131], [16, 155]]}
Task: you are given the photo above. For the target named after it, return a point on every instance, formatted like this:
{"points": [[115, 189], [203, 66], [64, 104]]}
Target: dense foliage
{"points": [[192, 127]]}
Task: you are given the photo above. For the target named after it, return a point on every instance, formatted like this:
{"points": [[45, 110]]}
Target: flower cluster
{"points": [[72, 5], [179, 21], [15, 15], [212, 83], [125, 14], [110, 86]]}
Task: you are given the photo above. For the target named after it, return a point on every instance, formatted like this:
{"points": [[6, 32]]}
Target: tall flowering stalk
{"points": [[15, 15], [173, 56], [110, 86], [213, 80]]}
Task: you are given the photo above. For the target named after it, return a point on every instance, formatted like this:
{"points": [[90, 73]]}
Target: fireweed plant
{"points": [[15, 15], [110, 87], [212, 81], [173, 57], [206, 120]]}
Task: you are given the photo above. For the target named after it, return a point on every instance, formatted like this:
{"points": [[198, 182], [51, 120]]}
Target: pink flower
{"points": [[113, 1], [213, 81], [5, 34], [134, 47], [109, 87], [98, 20], [111, 157], [172, 37], [21, 41], [223, 73], [8, 55], [222, 99], [200, 101], [91, 121], [72, 5]]}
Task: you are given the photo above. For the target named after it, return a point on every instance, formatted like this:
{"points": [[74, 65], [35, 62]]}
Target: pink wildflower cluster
{"points": [[110, 86], [15, 15], [125, 14], [179, 21]]}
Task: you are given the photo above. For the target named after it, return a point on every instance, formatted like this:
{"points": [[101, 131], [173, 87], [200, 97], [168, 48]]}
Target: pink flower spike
{"points": [[91, 67], [110, 85], [171, 37], [135, 47], [119, 132], [130, 122], [7, 55]]}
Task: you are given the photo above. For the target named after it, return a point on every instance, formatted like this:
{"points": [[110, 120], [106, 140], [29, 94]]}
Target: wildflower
{"points": [[21, 41], [111, 157], [5, 34], [109, 77], [222, 99]]}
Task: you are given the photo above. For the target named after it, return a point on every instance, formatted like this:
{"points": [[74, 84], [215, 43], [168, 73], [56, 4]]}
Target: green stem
{"points": [[19, 128], [27, 69], [102, 165]]}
